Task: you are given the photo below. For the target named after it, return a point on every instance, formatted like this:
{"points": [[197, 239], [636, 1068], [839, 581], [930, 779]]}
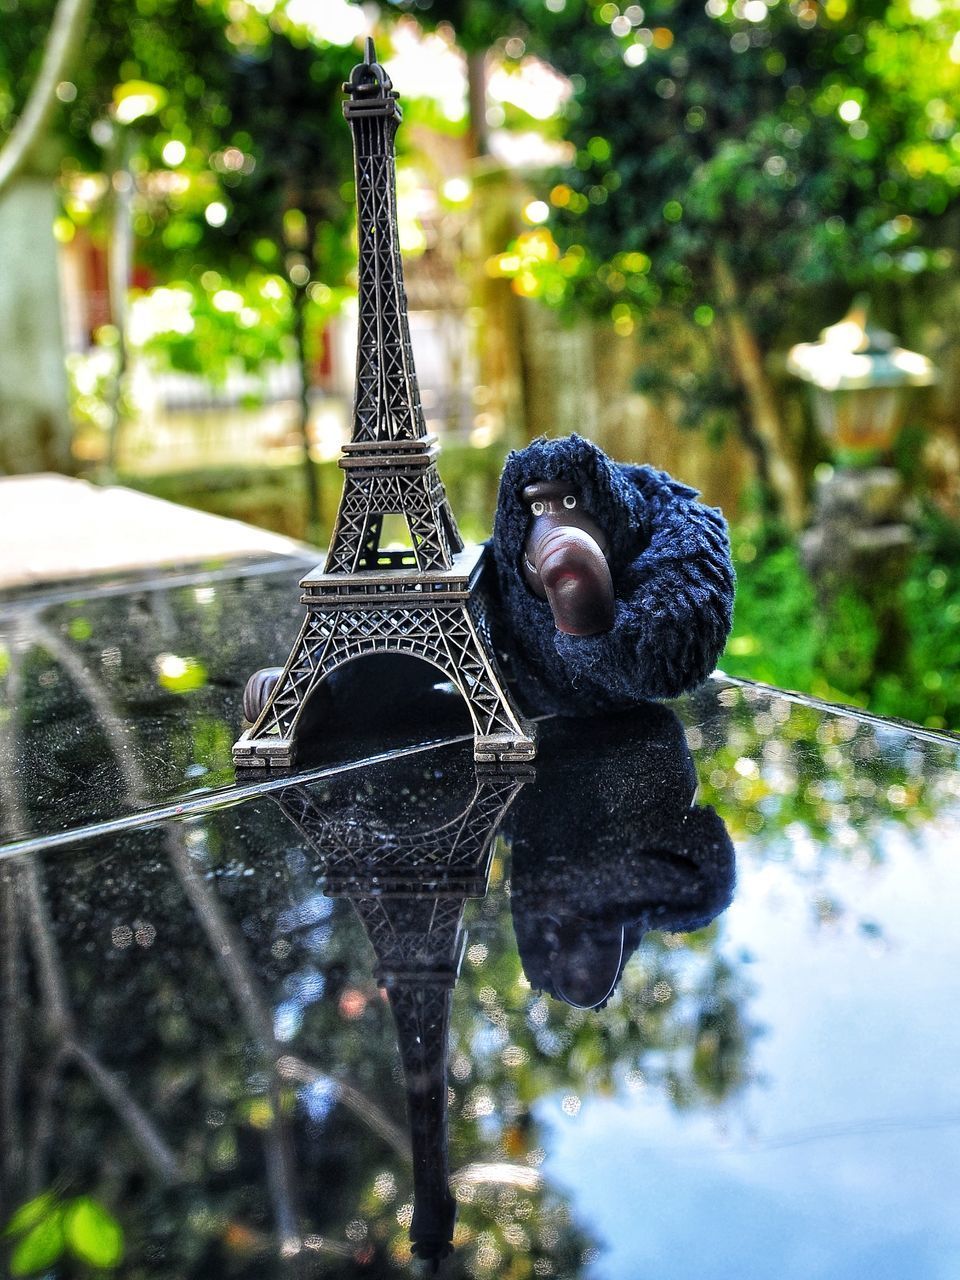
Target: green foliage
{"points": [[481, 23], [783, 638], [242, 126], [216, 324], [850, 642], [92, 1233], [46, 1227], [928, 689], [180, 675], [788, 137], [284, 95], [773, 637], [174, 44], [29, 1214], [41, 1246]]}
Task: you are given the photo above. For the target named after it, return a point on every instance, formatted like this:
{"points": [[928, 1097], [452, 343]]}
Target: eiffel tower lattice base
{"points": [[438, 616]]}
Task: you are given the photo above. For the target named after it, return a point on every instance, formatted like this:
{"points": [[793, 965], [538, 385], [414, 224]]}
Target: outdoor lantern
{"points": [[861, 383]]}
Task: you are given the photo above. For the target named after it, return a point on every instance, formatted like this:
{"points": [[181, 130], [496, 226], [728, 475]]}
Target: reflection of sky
{"points": [[843, 1160]]}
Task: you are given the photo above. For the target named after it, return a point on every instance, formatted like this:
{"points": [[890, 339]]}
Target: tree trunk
{"points": [[477, 102], [781, 466], [35, 427], [120, 269], [63, 42], [309, 470]]}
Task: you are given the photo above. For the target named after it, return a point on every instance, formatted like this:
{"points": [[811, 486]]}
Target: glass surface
{"points": [[629, 1078], [118, 701]]}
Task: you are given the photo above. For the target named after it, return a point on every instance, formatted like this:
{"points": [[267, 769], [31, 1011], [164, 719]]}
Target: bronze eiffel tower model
{"points": [[409, 889], [425, 601]]}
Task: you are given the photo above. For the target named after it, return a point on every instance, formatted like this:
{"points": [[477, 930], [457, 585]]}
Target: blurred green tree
{"points": [[730, 156], [217, 125], [67, 29], [234, 111]]}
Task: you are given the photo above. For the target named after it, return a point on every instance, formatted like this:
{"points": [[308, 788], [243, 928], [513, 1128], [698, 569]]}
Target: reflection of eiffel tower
{"points": [[409, 891], [366, 599]]}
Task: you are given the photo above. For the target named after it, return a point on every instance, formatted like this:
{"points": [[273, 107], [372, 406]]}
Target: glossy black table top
{"points": [[677, 1001]]}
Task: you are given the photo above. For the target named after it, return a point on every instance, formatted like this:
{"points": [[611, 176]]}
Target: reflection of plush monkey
{"points": [[607, 844], [614, 584]]}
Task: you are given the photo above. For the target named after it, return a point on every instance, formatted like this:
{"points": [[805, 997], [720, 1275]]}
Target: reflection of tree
{"points": [[23, 887], [807, 788], [26, 906]]}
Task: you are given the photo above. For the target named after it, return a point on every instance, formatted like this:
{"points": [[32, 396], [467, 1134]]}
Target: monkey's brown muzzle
{"points": [[565, 560]]}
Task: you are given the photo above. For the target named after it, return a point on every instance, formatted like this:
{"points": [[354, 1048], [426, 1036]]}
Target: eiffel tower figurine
{"points": [[425, 601], [409, 888]]}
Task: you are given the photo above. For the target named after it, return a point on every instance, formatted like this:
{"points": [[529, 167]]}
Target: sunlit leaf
{"points": [[93, 1233], [41, 1247], [136, 98], [29, 1214], [180, 675], [259, 1113]]}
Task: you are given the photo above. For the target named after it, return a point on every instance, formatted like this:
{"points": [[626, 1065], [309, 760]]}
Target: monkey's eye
{"points": [[537, 508], [569, 502]]}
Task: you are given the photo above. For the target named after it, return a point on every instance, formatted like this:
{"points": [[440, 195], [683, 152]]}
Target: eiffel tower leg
{"points": [[271, 740], [356, 536], [434, 530], [370, 545], [453, 533], [423, 517], [500, 734]]}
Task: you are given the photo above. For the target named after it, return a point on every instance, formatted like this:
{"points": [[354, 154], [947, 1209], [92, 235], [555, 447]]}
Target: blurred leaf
{"points": [[181, 675], [92, 1233], [29, 1214], [80, 629], [138, 98], [40, 1247]]}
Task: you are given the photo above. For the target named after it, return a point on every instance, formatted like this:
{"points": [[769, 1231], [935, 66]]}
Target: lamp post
{"points": [[860, 539], [861, 382]]}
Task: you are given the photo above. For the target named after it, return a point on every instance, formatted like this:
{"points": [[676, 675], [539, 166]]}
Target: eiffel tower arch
{"points": [[366, 599]]}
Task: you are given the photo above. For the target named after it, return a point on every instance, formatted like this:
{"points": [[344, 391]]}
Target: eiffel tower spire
{"points": [[387, 404], [390, 463], [425, 601]]}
